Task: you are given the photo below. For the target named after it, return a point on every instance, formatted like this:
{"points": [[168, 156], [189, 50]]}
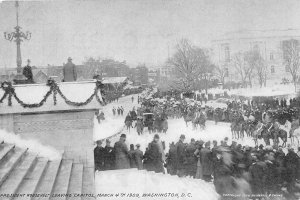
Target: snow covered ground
{"points": [[115, 124], [140, 184]]}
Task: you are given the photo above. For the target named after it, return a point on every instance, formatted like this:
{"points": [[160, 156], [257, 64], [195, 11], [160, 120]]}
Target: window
{"points": [[272, 69]]}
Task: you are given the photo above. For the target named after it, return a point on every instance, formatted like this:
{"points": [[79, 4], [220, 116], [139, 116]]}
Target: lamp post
{"points": [[18, 36]]}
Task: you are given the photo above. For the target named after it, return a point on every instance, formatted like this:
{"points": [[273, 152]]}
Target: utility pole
{"points": [[18, 36]]}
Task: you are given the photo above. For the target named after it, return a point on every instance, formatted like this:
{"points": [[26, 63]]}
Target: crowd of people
{"points": [[261, 169], [233, 168]]}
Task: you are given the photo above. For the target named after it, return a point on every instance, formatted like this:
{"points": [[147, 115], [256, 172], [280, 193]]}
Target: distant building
{"points": [[139, 75], [153, 76], [267, 43]]}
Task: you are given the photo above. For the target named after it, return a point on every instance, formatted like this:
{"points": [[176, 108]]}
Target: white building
{"points": [[268, 43]]}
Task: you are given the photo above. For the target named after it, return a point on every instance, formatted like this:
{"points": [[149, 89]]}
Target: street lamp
{"points": [[18, 36]]}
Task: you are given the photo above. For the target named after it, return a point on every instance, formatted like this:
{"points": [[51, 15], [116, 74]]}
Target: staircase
{"points": [[132, 182], [26, 176]]}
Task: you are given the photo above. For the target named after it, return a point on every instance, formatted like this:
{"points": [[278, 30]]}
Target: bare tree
{"points": [[256, 62], [189, 63], [291, 57], [221, 71], [242, 68]]}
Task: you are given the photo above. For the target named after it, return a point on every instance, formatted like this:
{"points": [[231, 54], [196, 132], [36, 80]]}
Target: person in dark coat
{"points": [[206, 161], [155, 156], [109, 156], [99, 156], [257, 172], [27, 72], [146, 164], [271, 175], [121, 154], [222, 175], [172, 160], [191, 159], [291, 165], [131, 156], [138, 157], [69, 71], [181, 159]]}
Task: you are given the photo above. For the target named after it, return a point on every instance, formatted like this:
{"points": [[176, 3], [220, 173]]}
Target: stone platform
{"points": [[67, 128]]}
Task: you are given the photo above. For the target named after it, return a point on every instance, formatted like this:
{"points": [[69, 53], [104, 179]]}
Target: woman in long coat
{"points": [[121, 154]]}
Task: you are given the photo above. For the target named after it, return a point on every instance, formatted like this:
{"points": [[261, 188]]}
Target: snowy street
{"points": [[115, 124]]}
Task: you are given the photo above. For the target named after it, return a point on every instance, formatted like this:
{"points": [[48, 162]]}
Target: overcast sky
{"points": [[138, 31]]}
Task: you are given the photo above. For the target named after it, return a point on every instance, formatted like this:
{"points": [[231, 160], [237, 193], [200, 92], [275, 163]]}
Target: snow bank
{"points": [[139, 183], [33, 145]]}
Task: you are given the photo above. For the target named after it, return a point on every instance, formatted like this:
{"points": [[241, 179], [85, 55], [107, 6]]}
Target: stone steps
{"points": [[32, 179], [5, 148], [26, 176], [88, 184], [75, 185], [47, 181], [62, 181], [8, 163], [16, 176]]}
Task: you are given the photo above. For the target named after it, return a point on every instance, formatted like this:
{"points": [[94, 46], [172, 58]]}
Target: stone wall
{"points": [[70, 132]]}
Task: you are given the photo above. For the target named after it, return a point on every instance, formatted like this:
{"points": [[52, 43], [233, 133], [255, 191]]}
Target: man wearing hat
{"points": [[27, 72], [155, 156], [109, 156], [121, 154], [181, 162], [99, 156], [69, 71]]}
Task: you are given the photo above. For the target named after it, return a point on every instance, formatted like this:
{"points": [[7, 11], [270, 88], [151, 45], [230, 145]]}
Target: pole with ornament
{"points": [[18, 36]]}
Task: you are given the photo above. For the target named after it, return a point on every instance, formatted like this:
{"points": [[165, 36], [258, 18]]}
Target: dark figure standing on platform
{"points": [[109, 156], [155, 156], [69, 71], [27, 72], [131, 157], [121, 153], [99, 156], [138, 155]]}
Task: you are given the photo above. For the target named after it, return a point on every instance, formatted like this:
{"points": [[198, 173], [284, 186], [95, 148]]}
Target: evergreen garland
{"points": [[53, 89]]}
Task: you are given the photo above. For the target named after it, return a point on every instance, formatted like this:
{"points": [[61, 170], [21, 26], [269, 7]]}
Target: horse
{"points": [[188, 117], [237, 130], [201, 121]]}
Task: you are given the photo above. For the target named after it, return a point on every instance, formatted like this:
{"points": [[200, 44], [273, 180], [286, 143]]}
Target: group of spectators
{"points": [[265, 170]]}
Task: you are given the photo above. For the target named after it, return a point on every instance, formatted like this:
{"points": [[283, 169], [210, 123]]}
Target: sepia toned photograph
{"points": [[149, 99]]}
